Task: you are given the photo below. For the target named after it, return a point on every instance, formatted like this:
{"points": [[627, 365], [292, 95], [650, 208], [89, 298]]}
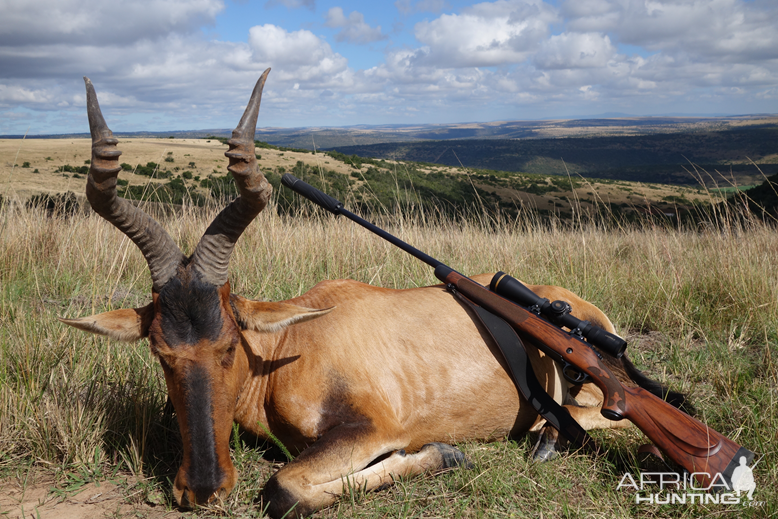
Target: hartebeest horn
{"points": [[159, 249], [212, 255]]}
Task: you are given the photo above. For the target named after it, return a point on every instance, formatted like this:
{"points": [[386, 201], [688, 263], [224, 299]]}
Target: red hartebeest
{"points": [[365, 383]]}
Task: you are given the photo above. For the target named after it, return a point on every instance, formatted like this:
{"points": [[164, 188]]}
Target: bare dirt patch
{"points": [[107, 499]]}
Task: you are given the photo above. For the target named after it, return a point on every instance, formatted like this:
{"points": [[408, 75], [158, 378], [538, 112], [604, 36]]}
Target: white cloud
{"points": [[298, 55], [353, 29], [486, 34], [574, 50], [91, 21], [14, 94], [711, 30]]}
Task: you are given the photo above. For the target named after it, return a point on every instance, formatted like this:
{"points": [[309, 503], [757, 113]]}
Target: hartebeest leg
{"points": [[334, 464], [589, 418]]}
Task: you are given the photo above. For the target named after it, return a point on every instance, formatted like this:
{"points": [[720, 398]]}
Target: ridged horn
{"points": [[159, 249], [211, 257]]}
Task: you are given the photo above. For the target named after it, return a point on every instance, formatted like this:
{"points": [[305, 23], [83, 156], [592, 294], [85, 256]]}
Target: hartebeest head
{"points": [[193, 321]]}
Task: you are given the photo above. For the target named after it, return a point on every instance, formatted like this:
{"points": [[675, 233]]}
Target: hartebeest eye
{"points": [[229, 354]]}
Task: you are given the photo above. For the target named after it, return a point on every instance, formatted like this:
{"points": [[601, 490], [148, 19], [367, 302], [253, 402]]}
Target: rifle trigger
{"points": [[574, 376]]}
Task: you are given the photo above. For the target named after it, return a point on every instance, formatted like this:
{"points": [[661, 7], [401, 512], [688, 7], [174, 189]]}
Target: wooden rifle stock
{"points": [[691, 444], [709, 456]]}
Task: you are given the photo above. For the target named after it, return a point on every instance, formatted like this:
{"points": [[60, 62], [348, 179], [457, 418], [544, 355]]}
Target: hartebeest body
{"points": [[344, 375]]}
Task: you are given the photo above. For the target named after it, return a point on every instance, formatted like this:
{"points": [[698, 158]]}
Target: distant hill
{"points": [[332, 137], [664, 158], [642, 149]]}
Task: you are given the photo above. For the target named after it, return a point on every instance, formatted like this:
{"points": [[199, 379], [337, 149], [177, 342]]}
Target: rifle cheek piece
{"points": [[558, 313]]}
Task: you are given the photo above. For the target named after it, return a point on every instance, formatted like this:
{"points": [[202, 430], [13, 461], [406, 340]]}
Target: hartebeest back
{"points": [[363, 383]]}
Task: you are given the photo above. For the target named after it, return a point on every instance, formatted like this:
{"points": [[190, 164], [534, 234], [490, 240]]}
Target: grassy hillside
{"points": [[194, 172]]}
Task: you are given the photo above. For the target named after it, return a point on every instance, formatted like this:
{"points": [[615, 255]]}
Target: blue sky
{"points": [[191, 64]]}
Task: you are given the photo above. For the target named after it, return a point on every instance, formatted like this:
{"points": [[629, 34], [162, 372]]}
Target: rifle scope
{"points": [[558, 312]]}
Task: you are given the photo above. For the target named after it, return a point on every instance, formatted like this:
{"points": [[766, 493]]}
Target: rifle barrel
{"points": [[335, 207]]}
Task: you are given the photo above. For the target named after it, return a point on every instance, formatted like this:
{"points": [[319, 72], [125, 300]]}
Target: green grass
{"points": [[700, 307]]}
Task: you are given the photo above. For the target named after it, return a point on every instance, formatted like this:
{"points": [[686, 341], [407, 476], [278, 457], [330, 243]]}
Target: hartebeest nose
{"points": [[189, 495]]}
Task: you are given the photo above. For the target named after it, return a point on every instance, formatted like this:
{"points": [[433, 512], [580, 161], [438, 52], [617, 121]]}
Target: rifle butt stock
{"points": [[708, 455]]}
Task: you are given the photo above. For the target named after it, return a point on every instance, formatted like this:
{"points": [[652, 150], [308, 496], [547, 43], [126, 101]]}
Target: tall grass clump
{"points": [[700, 306]]}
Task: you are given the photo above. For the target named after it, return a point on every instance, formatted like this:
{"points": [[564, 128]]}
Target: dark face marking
{"points": [[190, 311], [204, 475]]}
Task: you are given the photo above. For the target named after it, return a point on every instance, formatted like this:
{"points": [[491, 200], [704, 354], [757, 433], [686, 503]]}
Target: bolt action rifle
{"points": [[708, 455]]}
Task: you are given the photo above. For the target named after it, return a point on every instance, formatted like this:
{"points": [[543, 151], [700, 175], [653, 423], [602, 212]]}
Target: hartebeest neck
{"points": [[250, 363]]}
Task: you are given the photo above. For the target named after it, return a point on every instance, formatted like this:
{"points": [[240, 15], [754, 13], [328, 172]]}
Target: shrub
{"points": [[222, 187], [148, 170], [173, 192], [61, 204], [67, 168]]}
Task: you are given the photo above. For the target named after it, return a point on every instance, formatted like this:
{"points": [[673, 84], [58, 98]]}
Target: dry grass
{"points": [[48, 155], [81, 408]]}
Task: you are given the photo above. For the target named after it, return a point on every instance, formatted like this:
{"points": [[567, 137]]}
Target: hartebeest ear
{"points": [[264, 316], [124, 325]]}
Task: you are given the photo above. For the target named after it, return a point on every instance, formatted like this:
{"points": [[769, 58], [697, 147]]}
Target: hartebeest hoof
{"points": [[546, 446], [450, 456]]}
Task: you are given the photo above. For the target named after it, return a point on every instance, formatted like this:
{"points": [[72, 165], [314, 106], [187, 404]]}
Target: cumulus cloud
{"points": [[299, 55], [486, 34], [575, 50], [353, 29], [83, 22], [169, 74], [730, 30]]}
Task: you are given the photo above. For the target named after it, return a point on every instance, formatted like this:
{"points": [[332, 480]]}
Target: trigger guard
{"points": [[574, 376]]}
